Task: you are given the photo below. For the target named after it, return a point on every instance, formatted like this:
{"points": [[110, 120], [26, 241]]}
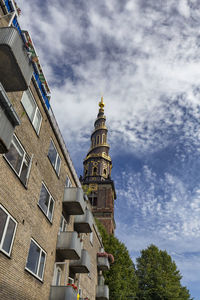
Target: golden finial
{"points": [[101, 104]]}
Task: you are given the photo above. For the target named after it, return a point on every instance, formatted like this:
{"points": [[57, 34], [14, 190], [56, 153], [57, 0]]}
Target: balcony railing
{"points": [[63, 293], [73, 201], [82, 265], [83, 223], [102, 292], [15, 67], [8, 121], [69, 245], [103, 263]]}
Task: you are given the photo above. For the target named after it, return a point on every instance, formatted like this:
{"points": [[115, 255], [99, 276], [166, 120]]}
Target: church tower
{"points": [[97, 174]]}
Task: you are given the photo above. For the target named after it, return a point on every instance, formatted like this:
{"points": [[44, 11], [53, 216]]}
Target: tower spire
{"points": [[101, 104], [97, 172]]}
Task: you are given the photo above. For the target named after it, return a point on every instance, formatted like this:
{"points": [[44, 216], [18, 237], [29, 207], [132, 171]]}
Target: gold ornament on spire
{"points": [[101, 104]]}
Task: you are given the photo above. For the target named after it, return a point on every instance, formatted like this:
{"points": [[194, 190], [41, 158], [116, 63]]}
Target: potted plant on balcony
{"points": [[107, 255]]}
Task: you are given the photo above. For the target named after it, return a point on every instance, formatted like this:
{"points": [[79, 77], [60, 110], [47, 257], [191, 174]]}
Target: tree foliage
{"points": [[158, 277], [121, 277]]}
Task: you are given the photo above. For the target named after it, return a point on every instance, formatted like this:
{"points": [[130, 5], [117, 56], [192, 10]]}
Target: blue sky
{"points": [[143, 57]]}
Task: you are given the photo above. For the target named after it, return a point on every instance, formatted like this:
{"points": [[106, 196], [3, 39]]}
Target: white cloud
{"points": [[143, 57]]}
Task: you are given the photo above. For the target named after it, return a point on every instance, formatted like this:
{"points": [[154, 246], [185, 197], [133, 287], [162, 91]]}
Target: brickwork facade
{"points": [[19, 201]]}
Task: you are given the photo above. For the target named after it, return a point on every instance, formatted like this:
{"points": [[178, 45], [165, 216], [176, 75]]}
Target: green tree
{"points": [[158, 277], [121, 277]]}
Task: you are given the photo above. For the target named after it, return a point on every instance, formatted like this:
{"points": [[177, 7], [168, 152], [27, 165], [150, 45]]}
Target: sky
{"points": [[143, 57]]}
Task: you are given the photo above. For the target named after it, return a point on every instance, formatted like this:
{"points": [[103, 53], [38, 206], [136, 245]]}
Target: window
{"points": [[95, 171], [19, 160], [68, 182], [63, 224], [93, 198], [54, 157], [32, 110], [46, 202], [58, 269], [7, 231], [36, 260]]}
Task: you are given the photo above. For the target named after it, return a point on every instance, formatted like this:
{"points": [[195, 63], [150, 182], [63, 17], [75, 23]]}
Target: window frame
{"points": [[25, 156], [64, 224], [57, 156], [38, 265], [68, 183], [5, 231], [50, 198], [35, 112]]}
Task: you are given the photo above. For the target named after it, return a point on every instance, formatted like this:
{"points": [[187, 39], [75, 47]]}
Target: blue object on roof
{"points": [[8, 5], [46, 100]]}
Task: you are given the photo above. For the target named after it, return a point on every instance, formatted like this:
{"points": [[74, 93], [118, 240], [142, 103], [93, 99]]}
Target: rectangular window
{"points": [[19, 160], [36, 260], [46, 202], [54, 157], [32, 110], [7, 231], [63, 224], [68, 182]]}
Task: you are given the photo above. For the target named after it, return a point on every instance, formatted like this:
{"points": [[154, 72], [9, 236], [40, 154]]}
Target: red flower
{"points": [[72, 285]]}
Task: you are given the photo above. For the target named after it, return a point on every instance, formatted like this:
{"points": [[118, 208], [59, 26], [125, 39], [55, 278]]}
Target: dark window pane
{"points": [[52, 154], [44, 199], [24, 172], [3, 218], [15, 158], [33, 257], [41, 268], [9, 236], [50, 210]]}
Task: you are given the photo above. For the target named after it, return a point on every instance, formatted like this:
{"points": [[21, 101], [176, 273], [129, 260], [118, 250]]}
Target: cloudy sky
{"points": [[143, 56]]}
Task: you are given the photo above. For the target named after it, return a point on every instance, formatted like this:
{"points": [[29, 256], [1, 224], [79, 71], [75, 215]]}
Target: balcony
{"points": [[63, 293], [103, 263], [8, 121], [68, 245], [82, 265], [15, 67], [102, 292], [73, 201], [83, 224]]}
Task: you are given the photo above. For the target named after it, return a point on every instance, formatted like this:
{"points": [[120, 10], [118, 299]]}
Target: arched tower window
{"points": [[95, 171], [97, 139], [104, 172]]}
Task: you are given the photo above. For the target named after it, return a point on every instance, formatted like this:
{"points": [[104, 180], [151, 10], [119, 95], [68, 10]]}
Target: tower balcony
{"points": [[83, 223], [16, 69], [102, 292], [8, 120], [73, 201], [63, 293], [69, 245], [82, 265], [103, 263]]}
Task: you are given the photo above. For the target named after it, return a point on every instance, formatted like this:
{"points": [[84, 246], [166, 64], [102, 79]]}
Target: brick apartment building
{"points": [[49, 242]]}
